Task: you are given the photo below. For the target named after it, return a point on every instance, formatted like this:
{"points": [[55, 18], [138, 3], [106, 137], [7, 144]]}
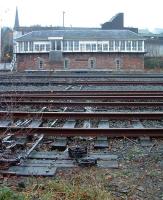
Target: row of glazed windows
{"points": [[118, 45], [30, 46], [81, 46]]}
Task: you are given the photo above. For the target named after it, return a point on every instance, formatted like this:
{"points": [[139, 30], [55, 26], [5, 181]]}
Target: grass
{"points": [[80, 185], [67, 191], [8, 194], [135, 152]]}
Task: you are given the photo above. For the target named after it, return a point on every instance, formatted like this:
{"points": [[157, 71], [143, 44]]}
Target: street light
{"points": [[63, 19]]}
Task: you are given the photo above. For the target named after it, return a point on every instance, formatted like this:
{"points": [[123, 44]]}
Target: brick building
{"points": [[112, 47], [80, 49]]}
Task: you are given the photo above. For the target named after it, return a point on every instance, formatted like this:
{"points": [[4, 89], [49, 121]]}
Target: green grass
{"points": [[8, 194], [80, 185]]}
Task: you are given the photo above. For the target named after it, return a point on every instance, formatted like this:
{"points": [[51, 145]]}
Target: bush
{"points": [[153, 62]]}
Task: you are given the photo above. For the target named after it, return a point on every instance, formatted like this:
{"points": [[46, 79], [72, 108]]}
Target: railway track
{"points": [[34, 97], [79, 104], [81, 115], [134, 131], [77, 82], [111, 132], [79, 75], [84, 93], [66, 122], [80, 99], [91, 99]]}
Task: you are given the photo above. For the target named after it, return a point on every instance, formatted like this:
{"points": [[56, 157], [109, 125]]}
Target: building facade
{"points": [[154, 45], [72, 49]]}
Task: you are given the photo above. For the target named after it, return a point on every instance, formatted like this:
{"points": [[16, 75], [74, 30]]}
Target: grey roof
{"points": [[80, 35]]}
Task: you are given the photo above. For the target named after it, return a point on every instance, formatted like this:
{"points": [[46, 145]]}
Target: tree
{"points": [[8, 53], [7, 44]]}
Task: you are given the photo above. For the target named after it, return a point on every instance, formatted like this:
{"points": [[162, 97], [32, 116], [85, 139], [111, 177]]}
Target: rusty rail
{"points": [[49, 82], [79, 104], [64, 97], [81, 115], [84, 93], [111, 132], [85, 75]]}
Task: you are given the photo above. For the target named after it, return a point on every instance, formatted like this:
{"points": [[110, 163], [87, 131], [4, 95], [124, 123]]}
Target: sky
{"points": [[82, 13]]}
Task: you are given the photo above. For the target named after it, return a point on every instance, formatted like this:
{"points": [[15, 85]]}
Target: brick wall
{"points": [[128, 61]]}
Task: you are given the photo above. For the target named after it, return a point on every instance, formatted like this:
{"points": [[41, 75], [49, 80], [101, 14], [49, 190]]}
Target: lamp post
{"points": [[63, 19]]}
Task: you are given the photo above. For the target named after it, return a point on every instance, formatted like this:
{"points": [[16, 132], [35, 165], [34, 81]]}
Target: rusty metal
{"points": [[72, 82], [37, 142], [87, 162], [55, 97], [111, 132], [9, 161], [81, 115], [80, 104], [77, 151], [79, 75], [83, 93]]}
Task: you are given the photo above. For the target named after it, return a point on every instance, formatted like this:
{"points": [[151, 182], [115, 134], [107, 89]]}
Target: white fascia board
{"points": [[55, 38]]}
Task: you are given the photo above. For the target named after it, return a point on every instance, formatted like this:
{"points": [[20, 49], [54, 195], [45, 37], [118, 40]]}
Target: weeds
{"points": [[81, 185], [8, 194]]}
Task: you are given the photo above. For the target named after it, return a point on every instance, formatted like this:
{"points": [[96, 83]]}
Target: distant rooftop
{"points": [[116, 22]]}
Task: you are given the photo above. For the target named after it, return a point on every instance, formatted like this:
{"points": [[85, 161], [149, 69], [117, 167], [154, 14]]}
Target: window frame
{"points": [[92, 60], [66, 63]]}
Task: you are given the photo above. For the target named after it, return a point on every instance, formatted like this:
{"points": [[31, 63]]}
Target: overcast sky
{"points": [[82, 13]]}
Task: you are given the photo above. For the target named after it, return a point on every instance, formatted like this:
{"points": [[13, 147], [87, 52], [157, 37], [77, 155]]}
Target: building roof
{"points": [[80, 35], [27, 29]]}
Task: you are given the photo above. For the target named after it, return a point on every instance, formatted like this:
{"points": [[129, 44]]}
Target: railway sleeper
{"points": [[102, 141], [87, 162], [46, 163], [5, 123], [145, 141], [60, 143]]}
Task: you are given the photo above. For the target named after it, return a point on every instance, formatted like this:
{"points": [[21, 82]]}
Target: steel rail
{"points": [[82, 93], [66, 97], [81, 115], [85, 75], [43, 82], [80, 104], [85, 92], [111, 132]]}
